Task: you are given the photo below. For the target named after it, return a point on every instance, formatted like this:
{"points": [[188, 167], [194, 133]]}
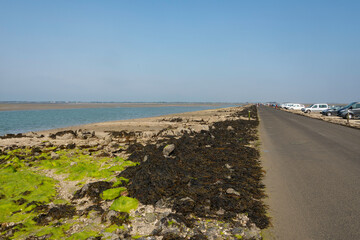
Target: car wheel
{"points": [[350, 116], [307, 111], [328, 114]]}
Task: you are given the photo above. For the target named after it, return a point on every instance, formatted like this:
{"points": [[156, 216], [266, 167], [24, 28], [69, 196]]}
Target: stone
{"points": [[31, 134], [112, 213], [237, 231], [66, 136], [150, 217], [54, 156], [228, 166], [168, 149], [110, 236], [220, 212], [232, 191], [71, 146], [252, 233], [230, 128]]}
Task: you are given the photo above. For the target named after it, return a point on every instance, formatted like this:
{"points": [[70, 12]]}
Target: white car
{"points": [[286, 105], [296, 106], [317, 107]]}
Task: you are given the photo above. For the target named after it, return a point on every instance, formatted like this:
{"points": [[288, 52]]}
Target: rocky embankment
{"points": [[186, 177]]}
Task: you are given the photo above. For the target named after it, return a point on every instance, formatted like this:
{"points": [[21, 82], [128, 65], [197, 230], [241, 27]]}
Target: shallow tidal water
{"points": [[38, 120]]}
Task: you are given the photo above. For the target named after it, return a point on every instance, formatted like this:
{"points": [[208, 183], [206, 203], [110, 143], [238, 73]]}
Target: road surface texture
{"points": [[313, 176]]}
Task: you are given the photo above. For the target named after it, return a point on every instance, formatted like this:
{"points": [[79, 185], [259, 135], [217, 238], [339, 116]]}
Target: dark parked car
{"points": [[331, 111], [341, 110], [352, 112]]}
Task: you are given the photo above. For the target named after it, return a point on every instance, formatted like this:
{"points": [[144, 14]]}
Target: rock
{"points": [[237, 231], [84, 134], [103, 154], [168, 149], [147, 238], [232, 191], [150, 217], [114, 145], [111, 213], [110, 236], [66, 136], [228, 166], [161, 204], [242, 219], [148, 134], [36, 150], [31, 134], [253, 234], [70, 146], [54, 156], [93, 190], [230, 128], [107, 139], [220, 212]]}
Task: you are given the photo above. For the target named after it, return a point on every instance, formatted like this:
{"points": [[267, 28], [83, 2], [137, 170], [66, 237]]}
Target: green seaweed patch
{"points": [[20, 188], [112, 193], [113, 228], [79, 166], [54, 232], [83, 235], [238, 236], [124, 204], [121, 181]]}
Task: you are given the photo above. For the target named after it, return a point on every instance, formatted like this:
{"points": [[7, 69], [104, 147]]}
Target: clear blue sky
{"points": [[303, 51]]}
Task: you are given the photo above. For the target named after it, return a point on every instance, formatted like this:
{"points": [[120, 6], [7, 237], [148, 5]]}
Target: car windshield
{"points": [[347, 106], [311, 105]]}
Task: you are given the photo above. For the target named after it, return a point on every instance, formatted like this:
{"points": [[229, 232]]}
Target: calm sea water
{"points": [[37, 120]]}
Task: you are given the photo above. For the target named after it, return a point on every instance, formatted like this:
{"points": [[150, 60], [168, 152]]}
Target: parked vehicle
{"points": [[286, 105], [341, 110], [352, 112], [331, 111], [317, 107], [296, 106]]}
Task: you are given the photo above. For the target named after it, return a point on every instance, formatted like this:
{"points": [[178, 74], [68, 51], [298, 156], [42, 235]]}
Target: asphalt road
{"points": [[313, 176]]}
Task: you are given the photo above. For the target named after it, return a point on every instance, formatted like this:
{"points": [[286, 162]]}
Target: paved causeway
{"points": [[313, 176]]}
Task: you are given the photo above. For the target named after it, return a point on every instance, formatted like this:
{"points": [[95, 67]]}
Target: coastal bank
{"points": [[183, 176]]}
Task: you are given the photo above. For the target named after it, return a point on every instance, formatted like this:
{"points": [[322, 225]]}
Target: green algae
{"points": [[112, 193], [23, 188], [113, 227], [83, 235], [121, 181], [79, 166], [124, 204], [54, 232], [20, 188]]}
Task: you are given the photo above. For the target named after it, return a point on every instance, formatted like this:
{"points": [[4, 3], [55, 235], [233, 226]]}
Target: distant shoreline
{"points": [[48, 106]]}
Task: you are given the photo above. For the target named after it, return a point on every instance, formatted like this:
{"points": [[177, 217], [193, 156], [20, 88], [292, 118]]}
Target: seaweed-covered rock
{"points": [[57, 212], [93, 190], [222, 180]]}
